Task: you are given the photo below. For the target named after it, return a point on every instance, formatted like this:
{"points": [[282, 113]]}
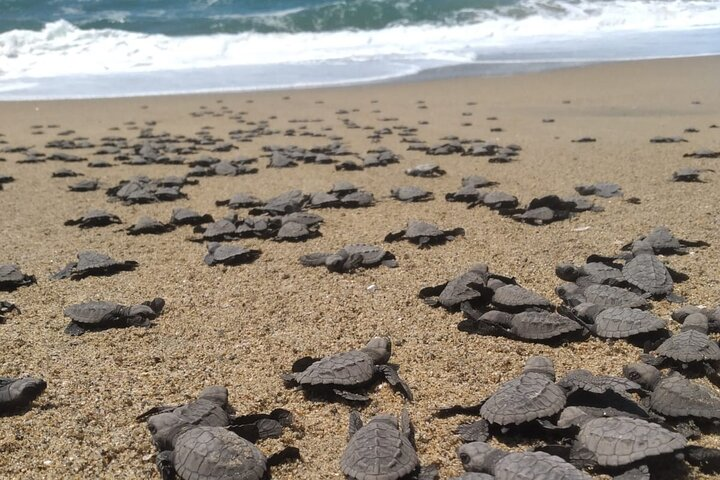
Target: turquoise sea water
{"points": [[94, 48]]}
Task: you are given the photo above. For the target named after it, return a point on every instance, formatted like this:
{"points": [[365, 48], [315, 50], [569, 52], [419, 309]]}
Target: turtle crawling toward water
{"points": [[149, 226], [347, 374], [11, 278], [94, 218], [689, 174], [18, 393], [424, 234], [229, 254], [93, 263], [101, 315], [350, 258]]}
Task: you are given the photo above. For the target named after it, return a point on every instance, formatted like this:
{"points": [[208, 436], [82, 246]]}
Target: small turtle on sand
{"points": [[466, 287], [383, 449], [601, 189], [510, 297], [590, 273], [648, 273], [497, 200], [347, 374], [528, 326], [425, 170], [599, 294], [11, 277], [703, 153], [101, 315], [585, 380], [240, 200], [297, 232], [503, 465], [93, 263], [618, 322], [18, 393], [229, 254], [221, 230], [288, 202], [350, 257], [185, 216], [65, 173], [87, 185], [689, 174], [424, 234], [662, 242], [147, 225], [94, 218], [411, 194]]}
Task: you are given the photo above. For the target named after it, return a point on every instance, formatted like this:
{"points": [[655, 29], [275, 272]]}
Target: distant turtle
{"points": [[424, 234], [689, 174], [503, 465], [223, 229], [383, 449], [288, 202], [7, 308], [99, 315], [147, 225], [94, 218], [584, 140], [661, 241], [511, 297], [18, 393], [229, 254], [296, 232], [65, 173], [87, 185], [664, 139], [350, 257], [346, 374], [498, 200], [240, 200], [93, 263], [185, 216], [601, 189], [618, 322], [466, 287], [600, 294], [528, 326], [468, 194], [425, 170], [411, 194], [11, 277], [703, 153]]}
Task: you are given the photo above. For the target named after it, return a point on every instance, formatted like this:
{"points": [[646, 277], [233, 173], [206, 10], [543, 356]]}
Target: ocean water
{"points": [[108, 48]]}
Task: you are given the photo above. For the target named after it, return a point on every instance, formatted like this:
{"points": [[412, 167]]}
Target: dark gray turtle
{"points": [[223, 229], [618, 322], [288, 202], [263, 226], [7, 309], [345, 374], [670, 139], [712, 315], [481, 457], [185, 216], [514, 298], [529, 326], [18, 393], [96, 315], [590, 273], [600, 294], [357, 199], [662, 242], [424, 234], [584, 140], [240, 200], [466, 287], [65, 173], [296, 232], [87, 185], [229, 254], [411, 194], [473, 476], [469, 194], [147, 225], [541, 216], [93, 263], [497, 200], [647, 272], [94, 218], [351, 257], [383, 449], [703, 153], [11, 277], [425, 170], [324, 200], [689, 174], [587, 381], [674, 395], [601, 189]]}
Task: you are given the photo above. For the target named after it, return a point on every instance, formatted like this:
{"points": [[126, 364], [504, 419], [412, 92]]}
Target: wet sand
{"points": [[244, 326]]}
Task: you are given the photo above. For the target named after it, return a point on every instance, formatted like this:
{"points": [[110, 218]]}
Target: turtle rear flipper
{"points": [[478, 431], [74, 330], [394, 379], [355, 423], [164, 464], [351, 396], [706, 459]]}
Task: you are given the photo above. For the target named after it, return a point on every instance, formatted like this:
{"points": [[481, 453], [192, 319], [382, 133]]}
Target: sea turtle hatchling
{"points": [[99, 315], [513, 298], [590, 273], [18, 393], [411, 194], [147, 225], [240, 200], [661, 241], [11, 277], [382, 449], [467, 287], [346, 374], [425, 170], [601, 189], [528, 326], [424, 234], [185, 216], [351, 257], [689, 174], [297, 232], [600, 294], [648, 273], [504, 465], [93, 263], [229, 254], [94, 218], [618, 322]]}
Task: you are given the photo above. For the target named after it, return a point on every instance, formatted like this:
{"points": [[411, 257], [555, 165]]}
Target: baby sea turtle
{"points": [[511, 297], [424, 234], [466, 287], [229, 254], [147, 225], [503, 465], [599, 294], [383, 449], [87, 185], [350, 257], [18, 393], [601, 189], [529, 326], [648, 273], [411, 194], [94, 218], [99, 315], [347, 374], [497, 200], [11, 277], [662, 242], [223, 229], [240, 200], [288, 202], [93, 263], [590, 273], [618, 322], [185, 216], [425, 170], [297, 232], [586, 381], [65, 173], [689, 174]]}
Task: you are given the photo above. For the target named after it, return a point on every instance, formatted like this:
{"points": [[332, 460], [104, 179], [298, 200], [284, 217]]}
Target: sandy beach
{"points": [[243, 326]]}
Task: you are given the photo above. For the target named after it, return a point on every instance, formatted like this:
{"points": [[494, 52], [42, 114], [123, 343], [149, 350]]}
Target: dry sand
{"points": [[243, 326]]}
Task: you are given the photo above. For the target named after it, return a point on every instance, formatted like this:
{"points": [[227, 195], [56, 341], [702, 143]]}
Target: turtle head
{"points": [[142, 311], [27, 389], [379, 349], [540, 364], [587, 311], [164, 428], [646, 375], [479, 457], [335, 262], [567, 272], [642, 247], [573, 416], [217, 394], [695, 321]]}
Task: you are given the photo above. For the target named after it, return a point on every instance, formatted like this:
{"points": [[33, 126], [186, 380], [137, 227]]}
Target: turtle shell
{"points": [[621, 322], [466, 287], [410, 194], [92, 313], [219, 229], [649, 274], [530, 396], [617, 441], [229, 254], [12, 277], [349, 368], [379, 451], [371, 255], [689, 346], [587, 381], [541, 325], [417, 229], [609, 296], [676, 396], [535, 465], [214, 453], [517, 297], [596, 272], [88, 261]]}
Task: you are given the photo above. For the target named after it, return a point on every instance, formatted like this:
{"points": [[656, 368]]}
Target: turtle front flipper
{"points": [[164, 464], [394, 379], [66, 272], [355, 423], [74, 330], [314, 259], [350, 396], [641, 472], [478, 431]]}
